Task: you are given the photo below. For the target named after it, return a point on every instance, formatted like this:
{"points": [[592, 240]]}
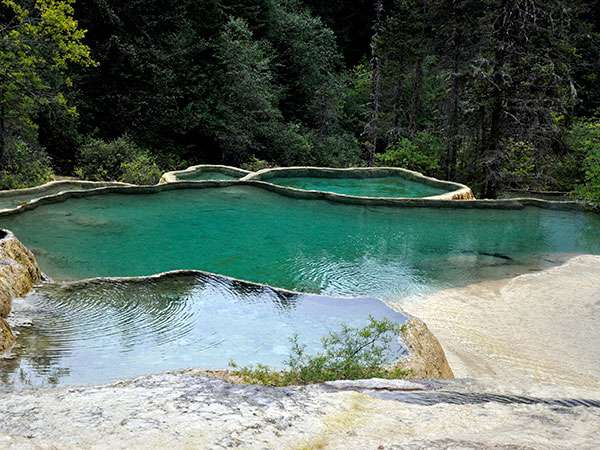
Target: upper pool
{"points": [[207, 175], [306, 245], [204, 172], [364, 187], [387, 182]]}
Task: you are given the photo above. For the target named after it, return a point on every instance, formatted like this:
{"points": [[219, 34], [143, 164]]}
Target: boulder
{"points": [[426, 356]]}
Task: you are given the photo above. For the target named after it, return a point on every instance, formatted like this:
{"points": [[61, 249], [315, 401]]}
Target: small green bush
{"points": [[351, 354], [142, 169], [23, 166], [590, 189], [421, 153], [254, 164], [518, 167], [334, 150], [584, 140], [120, 159]]}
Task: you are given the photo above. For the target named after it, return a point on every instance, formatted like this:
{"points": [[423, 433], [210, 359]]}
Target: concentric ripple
{"points": [[99, 331]]}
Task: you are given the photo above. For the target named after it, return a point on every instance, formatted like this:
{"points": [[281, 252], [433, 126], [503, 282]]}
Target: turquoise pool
{"points": [[306, 245], [389, 186]]}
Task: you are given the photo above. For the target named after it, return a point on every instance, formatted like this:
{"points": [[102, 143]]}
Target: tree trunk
{"points": [[416, 100], [2, 131], [494, 149], [371, 130], [397, 104]]}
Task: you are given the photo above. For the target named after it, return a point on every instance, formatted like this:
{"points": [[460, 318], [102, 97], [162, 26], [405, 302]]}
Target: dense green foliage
{"points": [[421, 153], [117, 160], [19, 155], [38, 42], [584, 136], [486, 92], [350, 354]]}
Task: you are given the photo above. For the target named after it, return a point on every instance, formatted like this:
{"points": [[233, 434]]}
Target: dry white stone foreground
{"points": [[190, 410]]}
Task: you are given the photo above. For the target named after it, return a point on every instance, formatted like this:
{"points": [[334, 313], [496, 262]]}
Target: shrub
{"points": [[101, 160], [352, 353], [590, 189], [255, 164], [23, 166], [584, 141], [142, 169], [335, 150], [518, 166], [421, 153]]}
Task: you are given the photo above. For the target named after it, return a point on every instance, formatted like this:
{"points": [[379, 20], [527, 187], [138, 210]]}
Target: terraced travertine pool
{"points": [[306, 245], [14, 198], [388, 186], [104, 330]]}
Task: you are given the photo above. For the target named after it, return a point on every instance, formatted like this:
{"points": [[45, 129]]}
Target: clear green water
{"points": [[106, 331], [366, 187], [207, 175], [306, 245]]}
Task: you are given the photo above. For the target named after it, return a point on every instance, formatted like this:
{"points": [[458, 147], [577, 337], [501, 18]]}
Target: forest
{"points": [[498, 94]]}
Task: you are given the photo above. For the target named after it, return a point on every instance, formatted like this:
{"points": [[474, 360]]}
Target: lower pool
{"points": [[101, 331]]}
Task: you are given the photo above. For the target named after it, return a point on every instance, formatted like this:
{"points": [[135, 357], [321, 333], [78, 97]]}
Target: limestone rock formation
{"points": [[426, 356], [19, 271], [7, 338]]}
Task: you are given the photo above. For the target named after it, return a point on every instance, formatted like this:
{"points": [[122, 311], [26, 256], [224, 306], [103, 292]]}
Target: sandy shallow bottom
{"points": [[526, 349], [537, 332]]}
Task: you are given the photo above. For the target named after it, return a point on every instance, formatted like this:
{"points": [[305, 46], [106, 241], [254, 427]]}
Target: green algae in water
{"points": [[105, 330], [305, 245], [389, 186], [207, 175]]}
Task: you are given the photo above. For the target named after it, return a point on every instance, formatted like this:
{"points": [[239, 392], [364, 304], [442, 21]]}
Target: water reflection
{"points": [[103, 330]]}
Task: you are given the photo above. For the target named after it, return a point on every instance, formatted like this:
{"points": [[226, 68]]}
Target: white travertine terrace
{"points": [[170, 177], [41, 191]]}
